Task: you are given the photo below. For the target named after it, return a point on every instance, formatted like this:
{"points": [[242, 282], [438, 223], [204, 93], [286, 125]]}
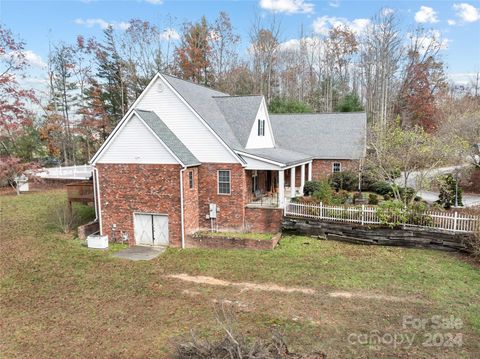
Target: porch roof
{"points": [[281, 156]]}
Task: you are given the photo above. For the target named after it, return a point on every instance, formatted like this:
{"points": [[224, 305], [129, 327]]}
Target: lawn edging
{"points": [[230, 241]]}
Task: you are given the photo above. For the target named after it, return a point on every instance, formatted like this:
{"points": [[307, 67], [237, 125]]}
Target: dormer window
{"points": [[261, 127]]}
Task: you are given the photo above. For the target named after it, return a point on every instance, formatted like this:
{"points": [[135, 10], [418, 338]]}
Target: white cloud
{"points": [[102, 23], [467, 12], [462, 78], [155, 2], [28, 56], [34, 59], [169, 34], [387, 11], [287, 6], [426, 15], [313, 46], [426, 39], [451, 22], [334, 3], [322, 25]]}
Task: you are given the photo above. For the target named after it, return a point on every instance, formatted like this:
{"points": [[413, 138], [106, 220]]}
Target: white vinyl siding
{"points": [[195, 135], [135, 143], [261, 134], [224, 184]]}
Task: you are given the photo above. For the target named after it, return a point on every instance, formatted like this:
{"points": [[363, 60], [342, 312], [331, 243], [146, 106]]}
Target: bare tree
{"points": [[264, 43], [381, 51]]}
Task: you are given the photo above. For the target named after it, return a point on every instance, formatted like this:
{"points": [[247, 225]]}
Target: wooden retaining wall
{"points": [[376, 235]]}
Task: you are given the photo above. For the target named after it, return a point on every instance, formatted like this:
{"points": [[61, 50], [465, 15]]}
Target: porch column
{"points": [[302, 179], [310, 170], [281, 188], [292, 182]]}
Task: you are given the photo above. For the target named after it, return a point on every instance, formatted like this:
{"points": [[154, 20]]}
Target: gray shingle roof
{"points": [[325, 136], [168, 137], [297, 136], [280, 155], [240, 113]]}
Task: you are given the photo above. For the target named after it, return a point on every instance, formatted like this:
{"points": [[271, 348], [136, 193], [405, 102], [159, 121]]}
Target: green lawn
{"points": [[60, 299]]}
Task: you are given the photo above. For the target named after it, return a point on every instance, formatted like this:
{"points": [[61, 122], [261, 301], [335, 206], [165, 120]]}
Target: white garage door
{"points": [[151, 229]]}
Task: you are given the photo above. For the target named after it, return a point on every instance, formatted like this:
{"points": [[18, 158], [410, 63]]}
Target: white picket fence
{"points": [[69, 172], [448, 221]]}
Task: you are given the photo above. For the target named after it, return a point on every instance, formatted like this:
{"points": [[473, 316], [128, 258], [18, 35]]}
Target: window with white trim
{"points": [[261, 127], [336, 167], [190, 179], [223, 181]]}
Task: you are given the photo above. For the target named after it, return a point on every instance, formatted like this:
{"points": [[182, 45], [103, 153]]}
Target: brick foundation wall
{"points": [[129, 188], [231, 242], [323, 168], [263, 219], [231, 207]]}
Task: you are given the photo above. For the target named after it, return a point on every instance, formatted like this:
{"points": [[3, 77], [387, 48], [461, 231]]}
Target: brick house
{"points": [[186, 158]]}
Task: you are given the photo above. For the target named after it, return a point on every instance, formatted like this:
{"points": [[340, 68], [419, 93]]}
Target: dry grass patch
{"points": [[59, 299]]}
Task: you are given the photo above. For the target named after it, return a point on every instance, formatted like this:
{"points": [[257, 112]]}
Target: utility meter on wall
{"points": [[213, 210]]}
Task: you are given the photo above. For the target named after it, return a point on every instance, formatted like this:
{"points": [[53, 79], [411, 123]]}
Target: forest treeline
{"points": [[381, 69]]}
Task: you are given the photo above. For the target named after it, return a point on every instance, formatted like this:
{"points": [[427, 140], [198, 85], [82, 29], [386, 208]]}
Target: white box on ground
{"points": [[97, 241], [23, 187]]}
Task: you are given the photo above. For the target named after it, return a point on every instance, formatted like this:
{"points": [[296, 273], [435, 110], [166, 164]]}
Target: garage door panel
{"points": [[151, 229], [160, 226]]}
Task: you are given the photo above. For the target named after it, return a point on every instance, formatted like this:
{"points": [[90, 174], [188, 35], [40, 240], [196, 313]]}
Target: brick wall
{"points": [[323, 168], [129, 188], [263, 219], [190, 201], [231, 207]]}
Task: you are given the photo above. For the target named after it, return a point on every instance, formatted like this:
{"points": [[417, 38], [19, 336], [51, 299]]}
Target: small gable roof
{"points": [[240, 113], [168, 137], [279, 155], [322, 136]]}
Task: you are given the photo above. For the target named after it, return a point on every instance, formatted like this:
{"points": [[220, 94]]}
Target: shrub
{"points": [[324, 193], [382, 188], [372, 199], [65, 219], [340, 197], [448, 188], [416, 214], [346, 180], [235, 344], [310, 187], [357, 196], [473, 244], [391, 213], [368, 180]]}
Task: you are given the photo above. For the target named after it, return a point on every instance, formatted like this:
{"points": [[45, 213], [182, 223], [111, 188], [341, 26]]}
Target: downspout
{"points": [[99, 206], [95, 194], [181, 206]]}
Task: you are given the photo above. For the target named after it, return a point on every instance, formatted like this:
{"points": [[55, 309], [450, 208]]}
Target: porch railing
{"points": [[263, 199], [453, 222]]}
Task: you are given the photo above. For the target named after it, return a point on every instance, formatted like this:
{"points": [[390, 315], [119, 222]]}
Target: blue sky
{"points": [[36, 21]]}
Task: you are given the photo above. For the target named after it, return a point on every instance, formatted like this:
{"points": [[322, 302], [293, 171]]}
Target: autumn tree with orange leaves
{"points": [[193, 53]]}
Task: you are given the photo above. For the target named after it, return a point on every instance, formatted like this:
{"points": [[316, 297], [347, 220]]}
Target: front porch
{"points": [[272, 188]]}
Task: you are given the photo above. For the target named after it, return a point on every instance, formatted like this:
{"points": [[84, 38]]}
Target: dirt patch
{"points": [[271, 287], [244, 286], [388, 298]]}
